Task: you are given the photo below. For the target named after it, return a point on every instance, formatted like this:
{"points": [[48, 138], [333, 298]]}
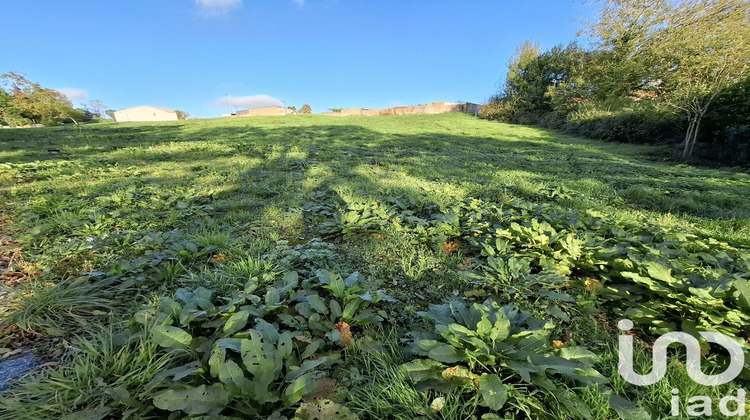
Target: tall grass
{"points": [[106, 373]]}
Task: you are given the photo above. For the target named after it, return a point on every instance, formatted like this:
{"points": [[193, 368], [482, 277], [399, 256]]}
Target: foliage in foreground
{"points": [[189, 224]]}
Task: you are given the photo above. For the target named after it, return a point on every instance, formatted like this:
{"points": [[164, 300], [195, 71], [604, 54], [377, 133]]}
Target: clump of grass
{"points": [[214, 239], [56, 309], [219, 282], [380, 388], [250, 267], [103, 374], [167, 273]]}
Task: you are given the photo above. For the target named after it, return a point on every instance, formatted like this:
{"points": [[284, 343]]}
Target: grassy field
{"points": [[386, 267]]}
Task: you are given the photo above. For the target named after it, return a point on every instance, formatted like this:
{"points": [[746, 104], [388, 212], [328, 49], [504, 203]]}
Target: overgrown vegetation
{"points": [[659, 72], [23, 102], [395, 267]]}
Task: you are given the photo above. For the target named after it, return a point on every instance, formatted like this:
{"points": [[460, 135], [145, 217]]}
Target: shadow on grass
{"points": [[525, 162]]}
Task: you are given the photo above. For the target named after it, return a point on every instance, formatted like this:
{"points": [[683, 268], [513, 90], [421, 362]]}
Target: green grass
{"points": [[129, 213]]}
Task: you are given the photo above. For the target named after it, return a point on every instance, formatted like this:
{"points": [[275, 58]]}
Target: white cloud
{"points": [[73, 94], [217, 7], [252, 101]]}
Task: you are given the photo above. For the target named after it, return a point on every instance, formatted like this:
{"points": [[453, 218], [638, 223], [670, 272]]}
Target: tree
{"points": [[306, 109], [531, 74], [688, 51], [622, 61], [35, 103], [8, 114], [337, 110], [182, 115], [705, 49], [97, 107]]}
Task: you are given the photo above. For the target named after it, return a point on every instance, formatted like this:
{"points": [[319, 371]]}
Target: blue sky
{"points": [[191, 54]]}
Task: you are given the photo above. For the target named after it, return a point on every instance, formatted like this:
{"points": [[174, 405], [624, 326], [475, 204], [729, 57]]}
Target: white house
{"points": [[145, 113]]}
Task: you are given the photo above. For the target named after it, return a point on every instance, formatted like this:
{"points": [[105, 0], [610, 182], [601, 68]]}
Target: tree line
{"points": [[23, 102], [656, 71]]}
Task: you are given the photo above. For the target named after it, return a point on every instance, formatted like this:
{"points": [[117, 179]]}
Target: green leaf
{"points": [[232, 375], [218, 354], [353, 279], [423, 369], [236, 322], [311, 348], [318, 304], [181, 372], [285, 345], [199, 400], [742, 293], [171, 337], [579, 353], [90, 414], [272, 297], [501, 329], [299, 387], [446, 354], [626, 409], [337, 287], [335, 310], [324, 410], [558, 313], [494, 392], [306, 367], [484, 327], [291, 280], [350, 309], [659, 272]]}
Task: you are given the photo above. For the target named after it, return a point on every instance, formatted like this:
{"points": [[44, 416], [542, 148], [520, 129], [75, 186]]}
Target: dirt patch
{"points": [[10, 259], [13, 268]]}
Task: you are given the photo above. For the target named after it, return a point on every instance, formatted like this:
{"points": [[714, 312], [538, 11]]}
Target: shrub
{"points": [[497, 110], [554, 120], [636, 123], [730, 145]]}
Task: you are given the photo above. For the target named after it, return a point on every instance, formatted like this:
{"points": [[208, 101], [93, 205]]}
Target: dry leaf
{"points": [[221, 258], [449, 247], [559, 344], [473, 293], [346, 333]]}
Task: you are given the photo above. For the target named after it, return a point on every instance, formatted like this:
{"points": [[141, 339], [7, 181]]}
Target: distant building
{"points": [[266, 110], [144, 113], [431, 108]]}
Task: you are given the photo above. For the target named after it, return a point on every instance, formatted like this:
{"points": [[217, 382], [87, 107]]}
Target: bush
{"points": [[527, 117], [639, 123], [554, 120], [731, 146], [497, 110]]}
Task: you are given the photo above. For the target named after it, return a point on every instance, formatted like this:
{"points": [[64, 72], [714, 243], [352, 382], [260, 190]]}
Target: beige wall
{"points": [[431, 108], [144, 113]]}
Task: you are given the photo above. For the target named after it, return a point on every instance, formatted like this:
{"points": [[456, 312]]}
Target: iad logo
{"points": [[701, 405], [737, 357]]}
